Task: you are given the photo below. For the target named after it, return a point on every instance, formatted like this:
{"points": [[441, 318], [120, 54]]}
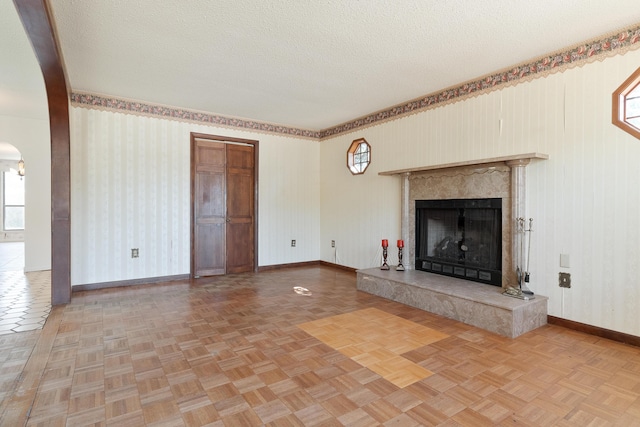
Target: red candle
{"points": [[385, 243], [401, 243]]}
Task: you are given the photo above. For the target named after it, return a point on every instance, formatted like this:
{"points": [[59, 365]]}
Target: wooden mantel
{"points": [[515, 157]]}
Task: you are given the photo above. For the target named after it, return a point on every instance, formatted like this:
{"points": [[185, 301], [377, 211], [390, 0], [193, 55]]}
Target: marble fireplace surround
{"points": [[473, 303], [498, 177]]}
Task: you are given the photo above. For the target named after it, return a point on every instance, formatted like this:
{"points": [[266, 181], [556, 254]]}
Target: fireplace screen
{"points": [[460, 238]]}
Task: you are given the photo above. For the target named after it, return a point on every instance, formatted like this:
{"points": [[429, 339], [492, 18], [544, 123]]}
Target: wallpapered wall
{"points": [[130, 188], [584, 200]]}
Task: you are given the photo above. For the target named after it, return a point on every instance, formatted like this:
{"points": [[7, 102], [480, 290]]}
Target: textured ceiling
{"points": [[311, 65]]}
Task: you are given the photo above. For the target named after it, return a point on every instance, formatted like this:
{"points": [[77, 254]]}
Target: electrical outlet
{"points": [[293, 243], [333, 243], [564, 280], [135, 253]]}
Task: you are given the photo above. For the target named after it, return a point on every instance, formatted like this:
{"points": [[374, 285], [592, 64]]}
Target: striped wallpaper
{"points": [[584, 199]]}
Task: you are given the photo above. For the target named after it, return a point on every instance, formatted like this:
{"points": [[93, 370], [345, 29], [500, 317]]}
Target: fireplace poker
{"points": [[521, 229], [522, 292], [526, 289]]}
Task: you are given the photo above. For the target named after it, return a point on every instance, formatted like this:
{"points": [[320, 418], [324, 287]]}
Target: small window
{"points": [[358, 156], [626, 105], [13, 201]]}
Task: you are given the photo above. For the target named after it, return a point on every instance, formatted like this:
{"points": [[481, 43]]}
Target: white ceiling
{"points": [[305, 64]]}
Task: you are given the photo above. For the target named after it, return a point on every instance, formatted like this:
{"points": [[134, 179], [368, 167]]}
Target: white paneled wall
{"points": [[584, 200], [289, 202], [357, 210], [130, 189]]}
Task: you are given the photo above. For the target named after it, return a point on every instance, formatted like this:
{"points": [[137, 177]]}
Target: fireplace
{"points": [[460, 238]]}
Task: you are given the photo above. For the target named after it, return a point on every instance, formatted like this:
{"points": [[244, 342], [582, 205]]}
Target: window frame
{"points": [[353, 166], [619, 104], [3, 183]]}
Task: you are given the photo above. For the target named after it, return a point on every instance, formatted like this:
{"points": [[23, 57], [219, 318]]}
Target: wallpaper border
{"points": [[613, 44], [105, 102]]}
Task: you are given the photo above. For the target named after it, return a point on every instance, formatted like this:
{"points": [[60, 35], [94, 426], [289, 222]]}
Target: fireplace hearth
{"points": [[501, 178], [460, 238]]}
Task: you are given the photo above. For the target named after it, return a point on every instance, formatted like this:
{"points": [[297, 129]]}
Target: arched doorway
{"points": [[24, 296], [37, 23]]}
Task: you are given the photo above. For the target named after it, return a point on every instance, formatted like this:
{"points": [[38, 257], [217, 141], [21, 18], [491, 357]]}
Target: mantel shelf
{"points": [[528, 156]]}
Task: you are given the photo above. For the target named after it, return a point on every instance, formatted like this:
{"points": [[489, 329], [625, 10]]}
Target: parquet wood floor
{"points": [[231, 351], [376, 340]]}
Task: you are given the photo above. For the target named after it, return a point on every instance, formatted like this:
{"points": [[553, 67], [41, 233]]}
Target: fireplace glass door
{"points": [[460, 238]]}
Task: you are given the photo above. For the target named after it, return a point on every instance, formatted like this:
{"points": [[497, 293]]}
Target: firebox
{"points": [[460, 238]]}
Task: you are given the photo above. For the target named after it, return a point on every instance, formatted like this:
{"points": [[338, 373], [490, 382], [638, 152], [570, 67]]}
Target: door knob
{"points": [[228, 219]]}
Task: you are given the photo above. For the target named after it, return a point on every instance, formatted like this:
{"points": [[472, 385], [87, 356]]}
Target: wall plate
{"points": [[564, 280]]}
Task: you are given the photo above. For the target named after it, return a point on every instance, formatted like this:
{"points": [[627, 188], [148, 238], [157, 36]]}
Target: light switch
{"points": [[564, 261]]}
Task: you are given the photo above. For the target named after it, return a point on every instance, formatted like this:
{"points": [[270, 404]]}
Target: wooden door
{"points": [[209, 207], [240, 208], [223, 206]]}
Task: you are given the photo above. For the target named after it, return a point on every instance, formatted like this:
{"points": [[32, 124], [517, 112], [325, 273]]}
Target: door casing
{"points": [[229, 140]]}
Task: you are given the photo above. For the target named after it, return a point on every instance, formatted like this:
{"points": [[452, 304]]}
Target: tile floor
{"points": [[231, 351], [11, 256], [25, 299]]}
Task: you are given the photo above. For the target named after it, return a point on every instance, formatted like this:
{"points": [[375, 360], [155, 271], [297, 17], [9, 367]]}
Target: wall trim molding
{"points": [[595, 330], [338, 266], [306, 264], [598, 49], [130, 282], [288, 265], [147, 109]]}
